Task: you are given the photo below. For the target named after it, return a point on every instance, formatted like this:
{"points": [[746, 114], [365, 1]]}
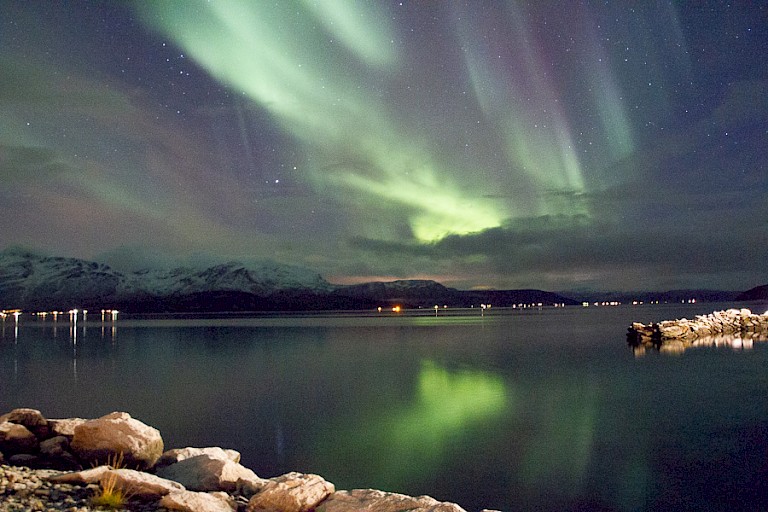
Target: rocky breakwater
{"points": [[731, 321], [76, 465]]}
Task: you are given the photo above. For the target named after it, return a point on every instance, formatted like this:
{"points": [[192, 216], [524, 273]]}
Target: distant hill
{"points": [[427, 294], [40, 283], [756, 293], [669, 296]]}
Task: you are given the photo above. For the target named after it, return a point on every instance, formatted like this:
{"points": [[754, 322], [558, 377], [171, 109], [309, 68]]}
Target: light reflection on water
{"points": [[544, 410], [734, 341]]}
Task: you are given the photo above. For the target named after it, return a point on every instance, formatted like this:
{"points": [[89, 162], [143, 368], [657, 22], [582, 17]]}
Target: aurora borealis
{"points": [[509, 144]]}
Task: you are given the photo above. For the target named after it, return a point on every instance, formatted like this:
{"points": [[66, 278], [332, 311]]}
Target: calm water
{"points": [[532, 410]]}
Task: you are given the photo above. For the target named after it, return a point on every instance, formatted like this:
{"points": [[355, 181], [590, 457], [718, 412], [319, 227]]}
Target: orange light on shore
{"points": [[396, 309]]}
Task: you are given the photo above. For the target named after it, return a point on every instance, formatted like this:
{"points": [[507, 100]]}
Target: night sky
{"points": [[557, 145]]}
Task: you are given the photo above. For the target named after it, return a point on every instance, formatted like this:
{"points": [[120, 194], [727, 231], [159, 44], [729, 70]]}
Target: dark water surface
{"points": [[516, 410]]}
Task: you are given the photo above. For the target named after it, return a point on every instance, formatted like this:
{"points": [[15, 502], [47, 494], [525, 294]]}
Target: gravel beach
{"points": [[25, 489]]}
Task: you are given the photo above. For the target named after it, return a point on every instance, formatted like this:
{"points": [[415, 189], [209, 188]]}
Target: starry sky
{"points": [[503, 144]]}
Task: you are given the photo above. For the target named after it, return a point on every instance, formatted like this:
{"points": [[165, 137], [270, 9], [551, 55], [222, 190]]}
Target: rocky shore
{"points": [[119, 463], [741, 322]]}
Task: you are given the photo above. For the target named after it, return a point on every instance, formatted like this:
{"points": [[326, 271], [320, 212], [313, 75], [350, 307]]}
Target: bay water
{"points": [[535, 409]]}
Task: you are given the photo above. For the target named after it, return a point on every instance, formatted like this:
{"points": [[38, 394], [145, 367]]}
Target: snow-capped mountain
{"points": [[31, 281], [40, 283], [264, 279]]}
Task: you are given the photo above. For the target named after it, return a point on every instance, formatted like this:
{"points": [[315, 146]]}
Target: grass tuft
{"points": [[111, 495]]}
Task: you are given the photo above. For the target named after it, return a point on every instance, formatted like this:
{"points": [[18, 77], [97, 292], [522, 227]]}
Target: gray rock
{"points": [[54, 447], [115, 435], [24, 459]]}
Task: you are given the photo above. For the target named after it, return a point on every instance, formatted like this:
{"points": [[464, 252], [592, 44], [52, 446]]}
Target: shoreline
{"points": [[54, 465]]}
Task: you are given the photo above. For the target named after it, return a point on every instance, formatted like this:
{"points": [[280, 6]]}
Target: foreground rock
{"points": [[32, 419], [184, 479], [209, 473], [139, 484], [15, 439], [180, 454], [292, 492], [362, 500], [117, 435], [191, 501], [731, 321]]}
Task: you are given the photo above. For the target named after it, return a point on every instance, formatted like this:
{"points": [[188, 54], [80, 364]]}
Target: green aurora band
{"points": [[318, 69]]}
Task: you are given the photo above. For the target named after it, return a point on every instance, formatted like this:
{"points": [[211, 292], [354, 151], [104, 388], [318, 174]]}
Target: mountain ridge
{"points": [[35, 282], [32, 281]]}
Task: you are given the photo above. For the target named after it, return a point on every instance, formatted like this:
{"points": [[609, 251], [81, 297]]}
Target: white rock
{"points": [[190, 501], [292, 492], [117, 434]]}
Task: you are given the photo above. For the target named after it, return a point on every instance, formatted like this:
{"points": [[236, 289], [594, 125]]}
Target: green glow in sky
{"points": [[314, 89], [493, 144]]}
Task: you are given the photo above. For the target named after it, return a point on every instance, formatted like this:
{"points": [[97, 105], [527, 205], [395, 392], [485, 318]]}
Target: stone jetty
{"points": [[731, 321], [67, 464]]}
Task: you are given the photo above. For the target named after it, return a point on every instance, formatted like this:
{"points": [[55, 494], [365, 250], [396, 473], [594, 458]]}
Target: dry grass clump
{"points": [[110, 494]]}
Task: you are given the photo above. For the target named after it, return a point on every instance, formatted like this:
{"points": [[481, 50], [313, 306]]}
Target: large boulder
{"points": [[84, 477], [292, 492], [178, 454], [15, 438], [54, 447], [209, 473], [138, 484], [56, 455], [362, 500], [673, 329], [65, 427], [117, 436], [30, 418], [190, 501]]}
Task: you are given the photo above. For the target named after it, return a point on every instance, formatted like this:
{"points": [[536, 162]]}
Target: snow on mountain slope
{"points": [[29, 280], [262, 279]]}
